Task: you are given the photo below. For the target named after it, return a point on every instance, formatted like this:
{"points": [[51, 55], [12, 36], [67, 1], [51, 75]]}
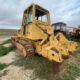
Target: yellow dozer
{"points": [[36, 35]]}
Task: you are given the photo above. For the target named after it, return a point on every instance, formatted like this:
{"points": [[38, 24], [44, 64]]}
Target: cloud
{"points": [[67, 11]]}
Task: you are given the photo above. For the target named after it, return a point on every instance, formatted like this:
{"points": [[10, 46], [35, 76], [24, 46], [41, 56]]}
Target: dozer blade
{"points": [[69, 45]]}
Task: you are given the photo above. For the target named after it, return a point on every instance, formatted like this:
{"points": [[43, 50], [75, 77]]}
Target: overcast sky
{"points": [[11, 11]]}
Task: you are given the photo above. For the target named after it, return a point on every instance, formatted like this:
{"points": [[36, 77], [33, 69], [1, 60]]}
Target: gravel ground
{"points": [[17, 73], [14, 72], [8, 58]]}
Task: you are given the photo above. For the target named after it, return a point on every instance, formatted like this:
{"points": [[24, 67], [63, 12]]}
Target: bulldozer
{"points": [[36, 36]]}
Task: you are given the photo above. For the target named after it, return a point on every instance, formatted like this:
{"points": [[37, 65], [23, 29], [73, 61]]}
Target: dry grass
{"points": [[6, 50], [69, 69]]}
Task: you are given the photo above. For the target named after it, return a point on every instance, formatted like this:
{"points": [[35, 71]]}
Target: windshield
{"points": [[60, 27], [41, 16]]}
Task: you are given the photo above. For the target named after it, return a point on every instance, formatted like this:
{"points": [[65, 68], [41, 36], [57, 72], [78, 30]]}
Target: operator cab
{"points": [[59, 27], [41, 15], [35, 13]]}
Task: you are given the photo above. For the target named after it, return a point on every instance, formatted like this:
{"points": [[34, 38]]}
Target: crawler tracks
{"points": [[24, 46]]}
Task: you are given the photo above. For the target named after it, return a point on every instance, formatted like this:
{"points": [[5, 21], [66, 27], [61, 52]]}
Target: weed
{"points": [[6, 50], [2, 66], [6, 41]]}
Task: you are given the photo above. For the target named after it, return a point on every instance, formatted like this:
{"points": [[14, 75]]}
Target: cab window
{"points": [[27, 17], [41, 16]]}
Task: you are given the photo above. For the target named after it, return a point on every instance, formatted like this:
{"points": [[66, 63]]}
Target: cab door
{"points": [[27, 18]]}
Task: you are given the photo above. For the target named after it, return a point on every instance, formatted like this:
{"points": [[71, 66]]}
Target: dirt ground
{"points": [[13, 72], [4, 37], [8, 58], [17, 73]]}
